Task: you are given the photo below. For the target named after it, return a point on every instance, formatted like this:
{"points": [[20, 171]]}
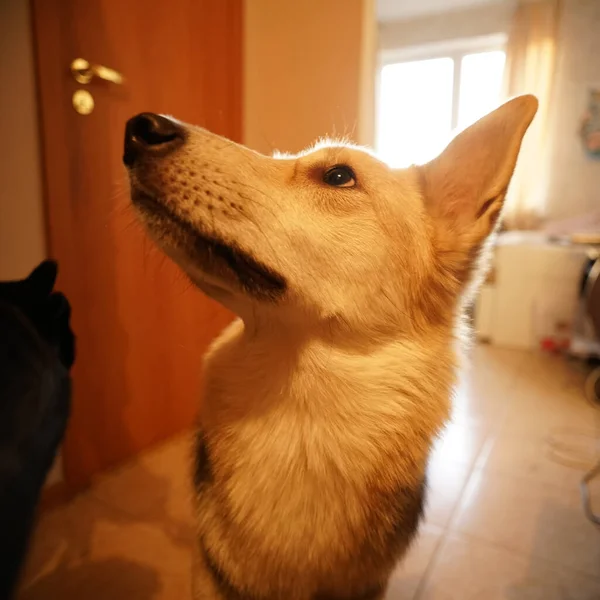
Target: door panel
{"points": [[141, 329]]}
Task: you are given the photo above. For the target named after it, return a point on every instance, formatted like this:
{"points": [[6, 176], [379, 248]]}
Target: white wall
{"points": [[22, 234], [309, 69], [394, 10], [22, 239], [574, 179], [467, 23]]}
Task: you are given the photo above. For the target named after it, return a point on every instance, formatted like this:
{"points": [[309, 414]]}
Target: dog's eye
{"points": [[340, 176]]}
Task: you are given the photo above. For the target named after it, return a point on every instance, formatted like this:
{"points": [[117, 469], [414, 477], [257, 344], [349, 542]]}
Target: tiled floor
{"points": [[504, 519]]}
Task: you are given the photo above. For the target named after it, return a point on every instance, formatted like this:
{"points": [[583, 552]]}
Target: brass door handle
{"points": [[84, 72]]}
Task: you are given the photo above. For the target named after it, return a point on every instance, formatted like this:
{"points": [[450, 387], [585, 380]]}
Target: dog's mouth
{"points": [[208, 251]]}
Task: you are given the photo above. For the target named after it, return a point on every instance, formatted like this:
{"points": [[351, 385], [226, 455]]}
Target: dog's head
{"points": [[330, 236]]}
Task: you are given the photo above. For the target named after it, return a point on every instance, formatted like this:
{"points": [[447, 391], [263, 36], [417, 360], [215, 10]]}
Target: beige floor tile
{"points": [[552, 371], [500, 363], [517, 527], [411, 570], [560, 457], [131, 536], [492, 369], [466, 569], [446, 482], [539, 411], [530, 517], [487, 409], [115, 579], [125, 560], [93, 551], [63, 536], [460, 443], [486, 386], [151, 548], [155, 489]]}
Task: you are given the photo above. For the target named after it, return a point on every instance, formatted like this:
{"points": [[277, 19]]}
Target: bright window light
{"points": [[420, 110], [480, 85], [415, 118]]}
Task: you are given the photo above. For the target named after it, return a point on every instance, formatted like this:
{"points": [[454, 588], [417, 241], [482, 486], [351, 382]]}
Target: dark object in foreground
{"points": [[37, 349]]}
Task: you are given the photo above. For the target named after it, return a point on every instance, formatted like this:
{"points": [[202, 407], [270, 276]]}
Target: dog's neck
{"points": [[297, 375], [279, 396]]}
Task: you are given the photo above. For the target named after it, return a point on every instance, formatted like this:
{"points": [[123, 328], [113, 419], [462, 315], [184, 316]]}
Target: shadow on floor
{"points": [[114, 578]]}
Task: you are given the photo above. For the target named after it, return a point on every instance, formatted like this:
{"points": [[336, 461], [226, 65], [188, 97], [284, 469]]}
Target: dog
{"points": [[323, 399]]}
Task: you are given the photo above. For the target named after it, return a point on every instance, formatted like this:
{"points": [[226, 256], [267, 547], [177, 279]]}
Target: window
{"points": [[424, 102]]}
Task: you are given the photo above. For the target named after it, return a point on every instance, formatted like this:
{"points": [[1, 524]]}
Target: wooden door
{"points": [[141, 329]]}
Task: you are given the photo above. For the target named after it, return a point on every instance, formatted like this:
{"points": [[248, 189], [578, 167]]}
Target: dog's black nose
{"points": [[148, 134]]}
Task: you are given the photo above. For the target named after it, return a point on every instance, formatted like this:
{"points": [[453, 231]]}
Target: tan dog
{"points": [[323, 400]]}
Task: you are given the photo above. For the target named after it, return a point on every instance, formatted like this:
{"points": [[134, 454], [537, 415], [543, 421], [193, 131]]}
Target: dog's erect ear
{"points": [[465, 186]]}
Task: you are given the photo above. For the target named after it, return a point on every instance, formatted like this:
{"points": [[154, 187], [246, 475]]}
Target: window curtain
{"points": [[530, 65]]}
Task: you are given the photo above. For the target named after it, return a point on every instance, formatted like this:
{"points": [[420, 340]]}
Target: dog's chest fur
{"points": [[311, 462]]}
